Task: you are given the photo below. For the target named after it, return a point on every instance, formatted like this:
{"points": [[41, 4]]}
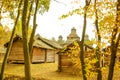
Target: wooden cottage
{"points": [[16, 53], [42, 51], [69, 57], [49, 49]]}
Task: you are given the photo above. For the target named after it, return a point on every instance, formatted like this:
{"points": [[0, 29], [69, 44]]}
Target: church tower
{"points": [[72, 36], [60, 40]]}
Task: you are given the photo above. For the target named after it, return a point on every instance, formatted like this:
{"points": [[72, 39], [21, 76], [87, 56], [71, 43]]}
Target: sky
{"points": [[49, 24]]}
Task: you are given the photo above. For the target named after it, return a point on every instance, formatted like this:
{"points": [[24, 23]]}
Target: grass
{"points": [[49, 71], [41, 70]]}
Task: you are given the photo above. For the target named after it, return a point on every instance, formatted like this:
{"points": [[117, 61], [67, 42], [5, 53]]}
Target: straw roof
{"points": [[67, 47], [51, 43], [16, 37], [39, 42]]}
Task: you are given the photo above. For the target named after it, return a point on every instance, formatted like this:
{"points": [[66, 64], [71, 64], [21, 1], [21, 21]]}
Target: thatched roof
{"points": [[67, 47], [39, 43], [16, 37], [51, 43]]}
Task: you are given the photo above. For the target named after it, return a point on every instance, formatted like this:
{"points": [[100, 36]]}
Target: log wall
{"points": [[38, 55]]}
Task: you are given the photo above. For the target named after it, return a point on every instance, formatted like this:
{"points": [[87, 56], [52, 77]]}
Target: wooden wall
{"points": [[38, 55], [50, 55], [65, 64], [43, 55], [16, 53]]}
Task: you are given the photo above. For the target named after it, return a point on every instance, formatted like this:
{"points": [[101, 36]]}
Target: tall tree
{"points": [[97, 51], [25, 42], [82, 41], [10, 43], [1, 5], [27, 48], [114, 42], [29, 13], [34, 29]]}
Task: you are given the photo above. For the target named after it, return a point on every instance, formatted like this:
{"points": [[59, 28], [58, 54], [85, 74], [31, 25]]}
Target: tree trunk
{"points": [[99, 75], [82, 42], [0, 13], [10, 44], [33, 31], [25, 42], [28, 20], [29, 15], [114, 43]]}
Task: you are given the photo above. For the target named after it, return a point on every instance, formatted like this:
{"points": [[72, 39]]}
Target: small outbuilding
{"points": [[68, 57], [16, 52], [42, 50], [48, 48]]}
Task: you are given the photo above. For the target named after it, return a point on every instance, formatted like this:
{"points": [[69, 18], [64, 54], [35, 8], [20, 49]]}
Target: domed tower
{"points": [[60, 40], [72, 36]]}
